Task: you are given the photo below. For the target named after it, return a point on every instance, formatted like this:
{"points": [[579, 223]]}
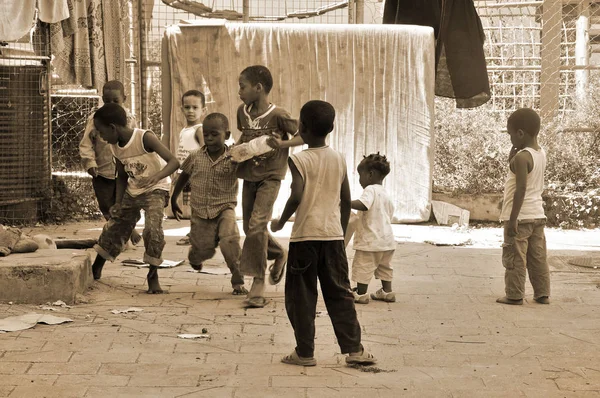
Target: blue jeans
{"points": [[206, 234], [118, 229], [325, 260], [258, 199]]}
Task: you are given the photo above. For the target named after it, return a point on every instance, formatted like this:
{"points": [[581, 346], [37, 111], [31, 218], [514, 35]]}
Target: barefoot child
{"points": [[524, 246], [262, 177], [193, 106], [97, 158], [213, 199], [320, 198], [142, 183], [374, 239]]}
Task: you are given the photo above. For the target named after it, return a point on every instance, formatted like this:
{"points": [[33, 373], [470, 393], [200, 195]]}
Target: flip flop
{"points": [[275, 275], [255, 302], [364, 358], [295, 359]]}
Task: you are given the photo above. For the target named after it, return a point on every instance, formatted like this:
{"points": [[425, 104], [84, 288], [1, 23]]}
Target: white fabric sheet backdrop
{"points": [[380, 79]]}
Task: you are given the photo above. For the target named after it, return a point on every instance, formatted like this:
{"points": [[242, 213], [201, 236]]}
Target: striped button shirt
{"points": [[214, 183]]}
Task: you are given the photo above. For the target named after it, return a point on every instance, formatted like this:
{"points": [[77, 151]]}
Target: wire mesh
{"points": [[518, 47], [24, 129]]}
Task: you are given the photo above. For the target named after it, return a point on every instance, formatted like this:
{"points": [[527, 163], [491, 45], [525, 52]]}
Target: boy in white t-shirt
{"points": [[374, 239], [193, 106]]}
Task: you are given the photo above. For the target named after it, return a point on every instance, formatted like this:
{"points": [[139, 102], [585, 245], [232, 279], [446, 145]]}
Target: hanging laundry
{"points": [[461, 70], [115, 37], [78, 45], [52, 11], [16, 19]]}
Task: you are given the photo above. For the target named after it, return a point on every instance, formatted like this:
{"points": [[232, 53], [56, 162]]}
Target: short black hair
{"points": [[111, 114], [525, 119], [114, 85], [194, 93], [376, 162], [318, 117], [259, 74], [217, 116]]}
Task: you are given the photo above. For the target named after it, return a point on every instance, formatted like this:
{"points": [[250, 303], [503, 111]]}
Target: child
{"points": [[524, 244], [97, 158], [374, 240], [193, 106], [142, 183], [213, 200], [262, 177], [321, 199]]}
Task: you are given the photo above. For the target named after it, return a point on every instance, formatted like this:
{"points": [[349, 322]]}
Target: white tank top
{"points": [[532, 204], [318, 215], [140, 164]]}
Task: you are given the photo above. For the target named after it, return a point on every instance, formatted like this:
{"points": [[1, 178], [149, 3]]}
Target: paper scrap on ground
{"points": [[130, 262], [450, 241], [212, 270], [61, 303], [131, 309], [27, 321], [587, 262], [194, 336]]}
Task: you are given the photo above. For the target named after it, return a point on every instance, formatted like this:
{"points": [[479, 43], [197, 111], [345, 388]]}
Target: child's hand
{"points": [[145, 182], [115, 210], [513, 228], [176, 210], [274, 142], [93, 171], [276, 225]]}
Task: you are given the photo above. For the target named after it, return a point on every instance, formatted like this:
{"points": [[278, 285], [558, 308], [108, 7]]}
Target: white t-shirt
{"points": [[374, 227], [318, 217], [187, 142]]}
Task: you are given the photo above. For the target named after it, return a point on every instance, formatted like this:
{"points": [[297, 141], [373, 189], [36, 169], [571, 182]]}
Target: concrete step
{"points": [[44, 276]]}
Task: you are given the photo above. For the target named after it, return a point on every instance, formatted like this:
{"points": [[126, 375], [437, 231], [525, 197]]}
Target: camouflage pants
{"points": [[118, 229]]}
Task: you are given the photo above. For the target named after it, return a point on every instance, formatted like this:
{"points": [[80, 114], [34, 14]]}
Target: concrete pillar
{"points": [[582, 56], [360, 11], [550, 52]]}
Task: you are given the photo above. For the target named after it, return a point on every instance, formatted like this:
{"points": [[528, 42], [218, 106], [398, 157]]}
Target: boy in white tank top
{"points": [[143, 169], [320, 198], [524, 247]]}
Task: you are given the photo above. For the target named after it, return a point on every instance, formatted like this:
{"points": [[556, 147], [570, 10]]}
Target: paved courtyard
{"points": [[444, 337]]}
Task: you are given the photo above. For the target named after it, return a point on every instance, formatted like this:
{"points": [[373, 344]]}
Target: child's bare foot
{"points": [[239, 290], [135, 237], [153, 285], [506, 300], [543, 300]]}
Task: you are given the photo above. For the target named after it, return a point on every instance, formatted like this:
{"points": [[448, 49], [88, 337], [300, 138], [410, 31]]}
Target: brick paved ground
{"points": [[445, 337]]}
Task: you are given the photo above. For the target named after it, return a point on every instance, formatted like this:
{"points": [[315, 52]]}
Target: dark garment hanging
{"points": [[461, 71]]}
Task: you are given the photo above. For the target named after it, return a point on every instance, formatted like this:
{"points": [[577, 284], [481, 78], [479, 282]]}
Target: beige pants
{"points": [[524, 253]]}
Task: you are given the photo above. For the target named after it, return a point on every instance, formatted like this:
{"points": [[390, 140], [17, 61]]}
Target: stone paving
{"points": [[444, 337]]}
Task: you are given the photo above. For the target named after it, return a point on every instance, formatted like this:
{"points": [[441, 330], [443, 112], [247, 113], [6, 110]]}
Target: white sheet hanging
{"points": [[379, 78], [52, 11], [16, 18]]}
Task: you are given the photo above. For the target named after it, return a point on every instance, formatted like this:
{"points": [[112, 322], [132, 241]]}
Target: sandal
{"points": [[277, 269], [239, 291], [183, 241], [255, 302], [364, 358], [295, 359]]}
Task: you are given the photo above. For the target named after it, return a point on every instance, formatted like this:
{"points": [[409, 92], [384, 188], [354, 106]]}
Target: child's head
{"points": [[193, 106], [523, 125], [109, 120], [215, 130], [255, 82], [316, 120], [373, 169], [113, 92]]}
